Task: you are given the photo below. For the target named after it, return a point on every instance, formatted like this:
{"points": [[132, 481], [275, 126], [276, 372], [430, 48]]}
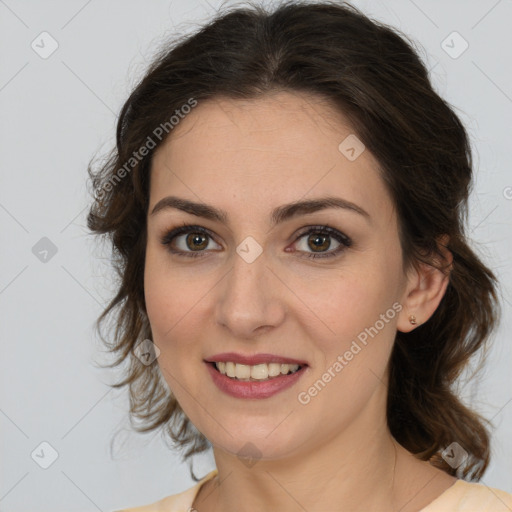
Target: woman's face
{"points": [[255, 288]]}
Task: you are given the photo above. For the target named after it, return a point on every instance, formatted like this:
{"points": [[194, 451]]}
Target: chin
{"points": [[262, 442]]}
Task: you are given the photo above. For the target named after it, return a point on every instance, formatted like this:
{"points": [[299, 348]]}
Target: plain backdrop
{"points": [[66, 68]]}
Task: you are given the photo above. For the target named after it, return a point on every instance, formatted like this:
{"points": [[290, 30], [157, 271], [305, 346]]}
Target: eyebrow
{"points": [[279, 214]]}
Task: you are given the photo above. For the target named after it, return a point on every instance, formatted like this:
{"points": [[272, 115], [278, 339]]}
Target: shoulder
{"points": [[465, 496], [177, 502]]}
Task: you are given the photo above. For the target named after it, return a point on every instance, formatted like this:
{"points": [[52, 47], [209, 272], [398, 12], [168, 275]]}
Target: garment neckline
{"points": [[447, 492], [209, 476]]}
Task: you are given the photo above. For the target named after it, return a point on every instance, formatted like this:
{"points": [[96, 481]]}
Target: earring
{"points": [[412, 319]]}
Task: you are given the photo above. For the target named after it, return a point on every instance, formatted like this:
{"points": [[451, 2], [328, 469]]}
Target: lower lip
{"points": [[253, 389]]}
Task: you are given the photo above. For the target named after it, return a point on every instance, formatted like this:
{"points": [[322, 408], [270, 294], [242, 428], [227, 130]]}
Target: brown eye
{"points": [[193, 241], [193, 244], [319, 240]]}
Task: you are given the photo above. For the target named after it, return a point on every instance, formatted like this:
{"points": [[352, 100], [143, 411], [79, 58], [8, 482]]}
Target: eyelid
{"points": [[344, 241], [322, 228], [185, 228]]}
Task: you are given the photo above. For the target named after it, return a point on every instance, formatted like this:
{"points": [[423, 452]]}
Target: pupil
{"points": [[318, 244], [196, 240]]}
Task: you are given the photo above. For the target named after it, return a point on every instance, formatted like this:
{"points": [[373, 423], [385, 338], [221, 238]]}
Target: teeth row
{"points": [[258, 371]]}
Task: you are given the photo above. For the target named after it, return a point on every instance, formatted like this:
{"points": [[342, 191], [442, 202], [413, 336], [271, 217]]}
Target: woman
{"points": [[286, 204]]}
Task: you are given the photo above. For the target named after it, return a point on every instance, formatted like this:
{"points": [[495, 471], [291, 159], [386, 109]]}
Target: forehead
{"points": [[289, 115], [269, 150]]}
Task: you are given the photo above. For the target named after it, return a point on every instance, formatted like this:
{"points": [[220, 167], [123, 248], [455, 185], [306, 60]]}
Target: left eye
{"points": [[196, 239], [319, 237]]}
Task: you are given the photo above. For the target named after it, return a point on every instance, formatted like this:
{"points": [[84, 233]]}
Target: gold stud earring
{"points": [[412, 319]]}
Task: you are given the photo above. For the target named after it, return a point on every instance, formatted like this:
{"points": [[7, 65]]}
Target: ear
{"points": [[425, 287]]}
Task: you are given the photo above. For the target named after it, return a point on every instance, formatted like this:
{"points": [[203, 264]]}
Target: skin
{"points": [[335, 452]]}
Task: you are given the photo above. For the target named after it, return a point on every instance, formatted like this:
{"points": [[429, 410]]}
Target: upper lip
{"points": [[253, 359]]}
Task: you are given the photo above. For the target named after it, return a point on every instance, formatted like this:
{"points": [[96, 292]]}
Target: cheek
{"points": [[361, 311], [171, 320], [171, 315], [352, 363], [355, 299], [176, 316], [159, 299], [167, 295]]}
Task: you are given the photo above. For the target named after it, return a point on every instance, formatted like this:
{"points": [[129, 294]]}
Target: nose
{"points": [[251, 299]]}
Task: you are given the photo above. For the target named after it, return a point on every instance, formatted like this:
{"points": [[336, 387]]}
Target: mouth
{"points": [[254, 373], [258, 380]]}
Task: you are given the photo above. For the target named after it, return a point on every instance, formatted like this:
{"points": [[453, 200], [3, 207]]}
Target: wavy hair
{"points": [[372, 73]]}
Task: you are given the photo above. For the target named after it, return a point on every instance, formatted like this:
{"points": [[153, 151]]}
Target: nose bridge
{"points": [[248, 301]]}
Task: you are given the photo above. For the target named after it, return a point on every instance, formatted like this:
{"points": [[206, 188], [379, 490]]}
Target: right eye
{"points": [[196, 240]]}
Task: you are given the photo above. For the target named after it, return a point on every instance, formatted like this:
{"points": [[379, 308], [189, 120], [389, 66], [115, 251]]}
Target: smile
{"points": [[256, 381], [254, 373]]}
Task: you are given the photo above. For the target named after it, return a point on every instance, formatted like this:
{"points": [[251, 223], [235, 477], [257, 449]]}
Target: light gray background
{"points": [[56, 113]]}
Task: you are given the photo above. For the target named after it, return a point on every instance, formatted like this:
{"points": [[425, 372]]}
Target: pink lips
{"points": [[253, 389]]}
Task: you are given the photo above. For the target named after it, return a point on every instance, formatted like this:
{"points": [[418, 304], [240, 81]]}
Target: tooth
{"points": [[230, 369], [259, 371], [242, 371], [274, 369]]}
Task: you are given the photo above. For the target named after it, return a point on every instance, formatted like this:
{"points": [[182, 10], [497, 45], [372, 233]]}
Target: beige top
{"points": [[462, 496]]}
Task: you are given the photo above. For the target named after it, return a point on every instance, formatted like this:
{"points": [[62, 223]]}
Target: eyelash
{"points": [[344, 240]]}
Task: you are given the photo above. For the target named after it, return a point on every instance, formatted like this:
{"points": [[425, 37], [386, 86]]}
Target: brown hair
{"points": [[372, 74]]}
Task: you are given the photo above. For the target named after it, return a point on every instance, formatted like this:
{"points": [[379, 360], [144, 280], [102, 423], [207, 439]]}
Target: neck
{"points": [[360, 468]]}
